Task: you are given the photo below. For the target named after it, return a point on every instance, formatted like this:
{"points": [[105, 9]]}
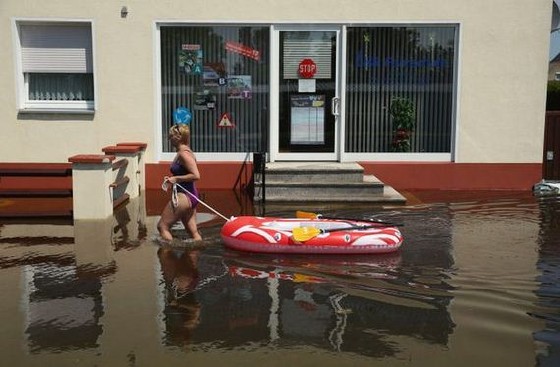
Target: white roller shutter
{"points": [[319, 51], [56, 48]]}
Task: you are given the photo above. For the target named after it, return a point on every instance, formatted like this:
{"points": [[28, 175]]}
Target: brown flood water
{"points": [[476, 283]]}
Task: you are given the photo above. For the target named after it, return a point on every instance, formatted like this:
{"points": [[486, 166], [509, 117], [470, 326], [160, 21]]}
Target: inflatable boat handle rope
{"points": [[175, 201]]}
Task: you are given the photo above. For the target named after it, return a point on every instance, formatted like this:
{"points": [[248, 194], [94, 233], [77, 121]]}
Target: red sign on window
{"points": [[307, 68], [226, 121], [243, 50]]}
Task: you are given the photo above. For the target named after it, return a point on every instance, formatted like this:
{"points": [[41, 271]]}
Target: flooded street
{"points": [[476, 282]]}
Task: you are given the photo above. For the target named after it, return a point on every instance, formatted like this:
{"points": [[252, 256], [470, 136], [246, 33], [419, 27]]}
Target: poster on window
{"points": [[214, 74], [205, 98], [190, 59], [239, 87], [308, 119]]}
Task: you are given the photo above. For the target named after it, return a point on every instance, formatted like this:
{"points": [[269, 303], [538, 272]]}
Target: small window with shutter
{"points": [[57, 66]]}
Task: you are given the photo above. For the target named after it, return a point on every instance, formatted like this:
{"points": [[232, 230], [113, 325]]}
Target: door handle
{"points": [[335, 106]]}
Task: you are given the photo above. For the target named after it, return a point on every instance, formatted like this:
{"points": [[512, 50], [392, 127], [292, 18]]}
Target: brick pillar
{"points": [[92, 175], [141, 152], [132, 170]]}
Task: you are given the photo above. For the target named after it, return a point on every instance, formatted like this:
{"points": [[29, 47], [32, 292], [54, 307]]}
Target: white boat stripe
{"points": [[251, 229], [387, 240]]}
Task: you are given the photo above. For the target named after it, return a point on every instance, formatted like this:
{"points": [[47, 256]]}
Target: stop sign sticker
{"points": [[307, 68]]}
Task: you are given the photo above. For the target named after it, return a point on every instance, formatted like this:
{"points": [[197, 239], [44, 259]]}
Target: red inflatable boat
{"points": [[309, 236]]}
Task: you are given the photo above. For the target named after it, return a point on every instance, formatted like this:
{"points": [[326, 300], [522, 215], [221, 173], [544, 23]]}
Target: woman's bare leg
{"points": [[189, 221], [169, 216], [189, 217]]}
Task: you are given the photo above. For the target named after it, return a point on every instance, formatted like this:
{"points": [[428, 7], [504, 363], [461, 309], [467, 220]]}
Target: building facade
{"points": [[427, 94]]}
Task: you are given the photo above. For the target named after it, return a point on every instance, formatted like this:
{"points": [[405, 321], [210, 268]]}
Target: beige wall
{"points": [[502, 76]]}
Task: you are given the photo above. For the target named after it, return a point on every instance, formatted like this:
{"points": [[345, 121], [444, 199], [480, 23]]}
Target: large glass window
{"points": [[221, 74], [400, 89]]}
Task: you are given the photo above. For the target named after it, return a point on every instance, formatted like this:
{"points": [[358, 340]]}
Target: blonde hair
{"points": [[183, 131]]}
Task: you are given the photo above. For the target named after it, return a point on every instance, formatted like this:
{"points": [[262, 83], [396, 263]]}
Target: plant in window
{"points": [[403, 114]]}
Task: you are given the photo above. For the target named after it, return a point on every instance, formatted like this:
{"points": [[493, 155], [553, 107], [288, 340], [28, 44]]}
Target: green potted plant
{"points": [[403, 114]]}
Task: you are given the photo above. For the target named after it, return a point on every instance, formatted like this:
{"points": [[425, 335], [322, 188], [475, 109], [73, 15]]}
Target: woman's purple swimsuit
{"points": [[177, 169]]}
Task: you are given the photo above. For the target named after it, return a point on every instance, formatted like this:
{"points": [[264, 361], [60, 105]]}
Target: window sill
{"points": [[66, 111]]}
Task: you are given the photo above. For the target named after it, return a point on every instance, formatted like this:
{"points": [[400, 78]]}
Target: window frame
{"points": [[23, 103], [273, 111], [420, 155], [159, 129]]}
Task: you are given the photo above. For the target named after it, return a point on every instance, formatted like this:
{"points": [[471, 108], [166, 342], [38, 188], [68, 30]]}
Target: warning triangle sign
{"points": [[225, 121]]}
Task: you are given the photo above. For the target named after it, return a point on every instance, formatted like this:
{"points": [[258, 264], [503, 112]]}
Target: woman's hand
{"points": [[170, 179]]}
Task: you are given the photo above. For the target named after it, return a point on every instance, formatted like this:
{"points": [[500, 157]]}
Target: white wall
{"points": [[503, 49]]}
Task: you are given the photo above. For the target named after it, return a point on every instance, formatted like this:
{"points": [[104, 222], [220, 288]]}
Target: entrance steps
{"points": [[324, 182]]}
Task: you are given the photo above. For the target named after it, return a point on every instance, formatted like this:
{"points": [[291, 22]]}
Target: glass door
{"points": [[308, 103]]}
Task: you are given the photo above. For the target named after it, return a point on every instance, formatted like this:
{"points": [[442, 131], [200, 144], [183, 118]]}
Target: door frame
{"points": [[275, 154]]}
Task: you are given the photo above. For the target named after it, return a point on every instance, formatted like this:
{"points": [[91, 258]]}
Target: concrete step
{"points": [[387, 195], [323, 182], [35, 207], [36, 193], [313, 172], [370, 189], [305, 190]]}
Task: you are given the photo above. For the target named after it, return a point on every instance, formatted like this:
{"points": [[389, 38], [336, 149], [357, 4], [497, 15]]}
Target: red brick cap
{"points": [[121, 149], [134, 143], [91, 158]]}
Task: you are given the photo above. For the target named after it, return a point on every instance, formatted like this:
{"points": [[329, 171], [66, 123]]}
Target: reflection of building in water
{"points": [[324, 316], [318, 301], [63, 307], [63, 267], [549, 282], [306, 314]]}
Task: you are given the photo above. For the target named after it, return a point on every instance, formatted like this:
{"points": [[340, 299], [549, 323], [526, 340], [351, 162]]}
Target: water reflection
{"points": [[182, 309], [63, 307], [473, 274], [347, 303], [64, 267], [61, 296], [343, 304], [549, 292]]}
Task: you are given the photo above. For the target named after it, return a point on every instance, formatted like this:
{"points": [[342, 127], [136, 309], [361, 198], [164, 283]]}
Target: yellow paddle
{"points": [[302, 234], [309, 215]]}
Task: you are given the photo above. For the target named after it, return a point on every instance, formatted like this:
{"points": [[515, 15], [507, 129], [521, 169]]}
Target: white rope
{"points": [[178, 294], [175, 201]]}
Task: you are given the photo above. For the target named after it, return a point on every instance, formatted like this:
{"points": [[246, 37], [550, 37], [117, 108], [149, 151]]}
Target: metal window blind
{"points": [[56, 48], [297, 50]]}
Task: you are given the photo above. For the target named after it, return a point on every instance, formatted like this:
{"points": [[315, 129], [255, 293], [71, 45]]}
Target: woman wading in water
{"points": [[185, 173]]}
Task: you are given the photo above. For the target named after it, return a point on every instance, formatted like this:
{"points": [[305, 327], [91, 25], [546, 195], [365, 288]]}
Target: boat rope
{"points": [[175, 200], [336, 334]]}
